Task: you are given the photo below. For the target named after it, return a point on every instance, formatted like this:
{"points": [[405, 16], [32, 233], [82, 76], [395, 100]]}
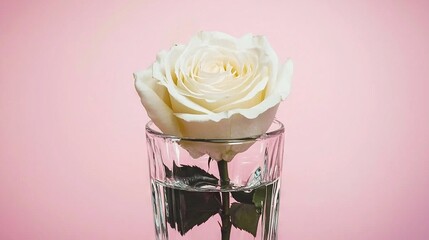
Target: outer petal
{"points": [[156, 102], [284, 78], [237, 126]]}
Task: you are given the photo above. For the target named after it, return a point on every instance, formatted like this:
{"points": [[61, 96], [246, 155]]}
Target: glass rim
{"points": [[279, 129]]}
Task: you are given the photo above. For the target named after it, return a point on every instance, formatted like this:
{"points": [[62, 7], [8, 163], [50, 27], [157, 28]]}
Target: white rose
{"points": [[215, 87]]}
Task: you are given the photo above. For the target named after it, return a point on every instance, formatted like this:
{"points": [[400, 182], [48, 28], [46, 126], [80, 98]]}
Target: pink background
{"points": [[72, 147]]}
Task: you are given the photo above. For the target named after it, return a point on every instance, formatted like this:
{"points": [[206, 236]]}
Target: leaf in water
{"points": [[263, 196], [194, 176], [245, 217], [187, 209], [259, 197], [247, 196], [243, 196]]}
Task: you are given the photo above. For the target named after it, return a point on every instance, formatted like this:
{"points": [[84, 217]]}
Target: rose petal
{"points": [[155, 99], [279, 91], [286, 73], [236, 126]]}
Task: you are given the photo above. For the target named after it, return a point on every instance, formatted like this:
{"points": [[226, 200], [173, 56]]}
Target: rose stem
{"points": [[224, 214]]}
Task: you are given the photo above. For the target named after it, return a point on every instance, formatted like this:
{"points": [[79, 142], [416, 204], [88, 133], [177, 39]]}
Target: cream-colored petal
{"points": [[284, 79], [154, 98], [279, 91], [237, 126]]}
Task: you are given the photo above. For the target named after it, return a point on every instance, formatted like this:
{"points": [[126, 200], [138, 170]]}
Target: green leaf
{"points": [[243, 196], [245, 217], [247, 196], [187, 209], [259, 197], [262, 198], [194, 176]]}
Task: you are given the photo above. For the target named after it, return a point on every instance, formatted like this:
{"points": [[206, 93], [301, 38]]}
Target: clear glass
{"points": [[196, 195]]}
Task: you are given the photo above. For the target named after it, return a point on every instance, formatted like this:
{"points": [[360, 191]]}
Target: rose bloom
{"points": [[215, 87]]}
